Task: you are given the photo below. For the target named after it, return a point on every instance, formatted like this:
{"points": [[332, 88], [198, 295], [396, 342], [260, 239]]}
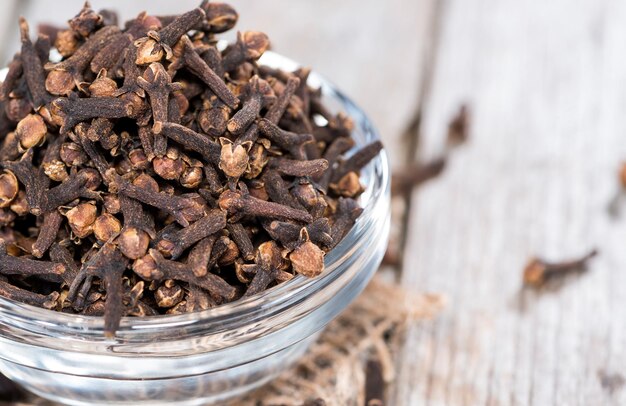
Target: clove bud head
{"points": [[9, 188], [133, 242], [168, 168], [82, 218], [148, 50], [307, 260], [146, 268], [106, 226], [169, 294], [534, 273], [220, 16], [233, 158], [59, 83], [256, 43], [102, 86], [31, 131]]}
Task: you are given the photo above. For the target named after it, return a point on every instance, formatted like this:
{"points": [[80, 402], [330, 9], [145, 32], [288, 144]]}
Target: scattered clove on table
{"points": [[459, 126], [539, 272], [150, 171]]}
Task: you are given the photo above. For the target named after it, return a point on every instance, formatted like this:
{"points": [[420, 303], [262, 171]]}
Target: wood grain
{"points": [[547, 85]]}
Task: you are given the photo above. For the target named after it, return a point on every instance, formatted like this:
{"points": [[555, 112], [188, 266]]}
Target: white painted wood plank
{"points": [[547, 85]]}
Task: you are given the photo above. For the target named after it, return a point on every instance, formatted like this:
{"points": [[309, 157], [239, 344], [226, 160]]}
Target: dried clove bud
{"points": [[233, 158], [155, 267], [243, 203], [240, 236], [287, 140], [213, 119], [72, 154], [294, 167], [458, 129], [268, 262], [169, 294], [537, 272], [31, 131], [174, 244], [288, 234], [12, 292], [193, 141], [107, 264], [86, 21], [187, 56], [77, 110], [258, 95], [250, 46], [33, 69], [307, 259], [168, 168], [405, 180], [82, 218], [14, 73], [157, 83], [358, 160], [158, 44], [66, 42], [11, 265], [191, 177], [64, 76], [102, 86], [348, 186], [106, 227], [348, 211], [219, 16], [200, 255], [8, 188]]}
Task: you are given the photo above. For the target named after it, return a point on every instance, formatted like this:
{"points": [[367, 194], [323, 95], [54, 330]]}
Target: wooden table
{"points": [[547, 85], [546, 82]]}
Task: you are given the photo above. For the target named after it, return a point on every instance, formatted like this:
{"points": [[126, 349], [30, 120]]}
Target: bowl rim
{"points": [[279, 297]]}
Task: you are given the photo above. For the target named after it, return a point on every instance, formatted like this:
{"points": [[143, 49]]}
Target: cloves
{"points": [[193, 141], [174, 244], [187, 56], [157, 83], [538, 271], [47, 233], [64, 76], [151, 172], [241, 202], [285, 139], [250, 46], [11, 265], [268, 262], [293, 167], [8, 188], [159, 43], [76, 110], [33, 69], [307, 259]]}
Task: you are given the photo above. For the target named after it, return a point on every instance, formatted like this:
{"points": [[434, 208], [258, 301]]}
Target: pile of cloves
{"points": [[149, 172]]}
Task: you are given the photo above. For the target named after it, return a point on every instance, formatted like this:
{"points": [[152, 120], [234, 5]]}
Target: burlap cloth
{"points": [[352, 363]]}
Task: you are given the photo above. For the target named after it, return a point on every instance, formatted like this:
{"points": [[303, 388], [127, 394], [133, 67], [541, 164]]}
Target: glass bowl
{"points": [[209, 356]]}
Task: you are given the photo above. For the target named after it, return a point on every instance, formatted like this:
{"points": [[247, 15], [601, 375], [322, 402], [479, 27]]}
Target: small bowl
{"points": [[209, 356]]}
